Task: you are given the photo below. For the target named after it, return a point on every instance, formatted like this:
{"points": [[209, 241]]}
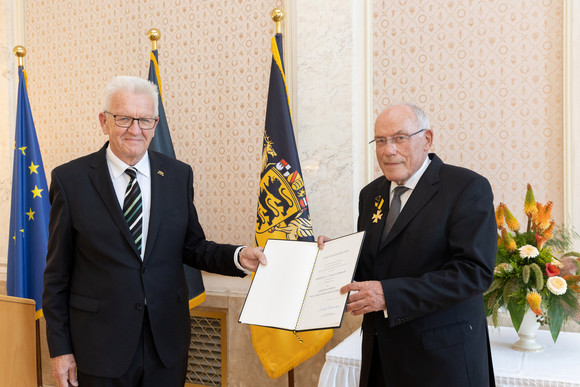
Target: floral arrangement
{"points": [[527, 275]]}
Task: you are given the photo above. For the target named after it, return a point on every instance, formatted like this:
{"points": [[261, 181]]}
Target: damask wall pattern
{"points": [[214, 58], [489, 75]]}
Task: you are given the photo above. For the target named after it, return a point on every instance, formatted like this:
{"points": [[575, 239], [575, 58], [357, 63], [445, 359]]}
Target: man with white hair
{"points": [[122, 225], [427, 258]]}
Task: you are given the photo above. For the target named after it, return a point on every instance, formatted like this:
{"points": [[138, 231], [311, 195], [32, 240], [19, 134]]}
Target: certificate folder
{"points": [[299, 288]]}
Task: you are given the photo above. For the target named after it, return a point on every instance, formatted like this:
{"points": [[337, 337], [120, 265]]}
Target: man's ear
{"points": [[428, 139], [102, 121]]}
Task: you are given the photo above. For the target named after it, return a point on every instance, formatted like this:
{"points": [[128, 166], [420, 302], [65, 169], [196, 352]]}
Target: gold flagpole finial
{"points": [[154, 35], [20, 52], [278, 15]]}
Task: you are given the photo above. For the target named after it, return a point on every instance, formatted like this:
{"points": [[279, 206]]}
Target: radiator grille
{"points": [[207, 349]]}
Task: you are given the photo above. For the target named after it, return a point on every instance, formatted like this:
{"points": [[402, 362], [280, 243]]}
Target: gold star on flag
{"points": [[22, 149], [30, 214], [33, 168], [377, 216], [36, 192]]}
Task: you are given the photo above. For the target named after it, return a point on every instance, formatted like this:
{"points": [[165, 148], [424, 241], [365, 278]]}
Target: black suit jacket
{"points": [[434, 266], [95, 284]]}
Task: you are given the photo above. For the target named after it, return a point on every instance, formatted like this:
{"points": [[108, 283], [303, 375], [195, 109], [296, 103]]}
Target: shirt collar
{"points": [[413, 180], [118, 167]]}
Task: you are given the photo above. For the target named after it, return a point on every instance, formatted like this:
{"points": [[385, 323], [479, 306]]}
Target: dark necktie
{"points": [[394, 210], [133, 207]]}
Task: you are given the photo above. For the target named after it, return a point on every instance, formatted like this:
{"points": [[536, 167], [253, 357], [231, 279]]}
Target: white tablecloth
{"points": [[557, 366], [342, 366]]}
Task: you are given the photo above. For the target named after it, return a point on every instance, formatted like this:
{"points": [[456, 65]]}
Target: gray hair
{"points": [[133, 85], [422, 118]]}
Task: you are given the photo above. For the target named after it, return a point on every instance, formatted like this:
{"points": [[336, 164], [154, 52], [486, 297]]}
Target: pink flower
{"points": [[569, 266]]}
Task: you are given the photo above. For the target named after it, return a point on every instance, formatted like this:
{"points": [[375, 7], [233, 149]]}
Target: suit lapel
{"points": [[423, 192], [375, 230], [157, 200], [101, 179]]}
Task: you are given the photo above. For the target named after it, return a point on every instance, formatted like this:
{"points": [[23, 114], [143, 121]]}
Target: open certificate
{"points": [[299, 288]]}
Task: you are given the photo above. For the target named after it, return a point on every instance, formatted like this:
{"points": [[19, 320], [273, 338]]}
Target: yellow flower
{"points": [[508, 241], [510, 220], [548, 232], [534, 301], [557, 285], [499, 216], [541, 221], [530, 204]]}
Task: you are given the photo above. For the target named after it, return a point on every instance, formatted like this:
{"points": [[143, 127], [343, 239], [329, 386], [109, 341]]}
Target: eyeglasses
{"points": [[395, 140], [126, 121]]}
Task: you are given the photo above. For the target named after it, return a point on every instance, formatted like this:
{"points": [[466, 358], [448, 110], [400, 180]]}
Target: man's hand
{"points": [[321, 240], [251, 257], [64, 370], [369, 297]]}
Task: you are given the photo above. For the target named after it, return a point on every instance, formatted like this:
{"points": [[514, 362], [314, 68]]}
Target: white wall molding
{"points": [[571, 114]]}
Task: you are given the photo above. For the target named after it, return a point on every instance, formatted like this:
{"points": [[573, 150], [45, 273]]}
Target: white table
{"points": [[557, 366]]}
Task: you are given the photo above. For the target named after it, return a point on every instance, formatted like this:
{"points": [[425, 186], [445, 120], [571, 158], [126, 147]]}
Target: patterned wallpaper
{"points": [[489, 75], [214, 58]]}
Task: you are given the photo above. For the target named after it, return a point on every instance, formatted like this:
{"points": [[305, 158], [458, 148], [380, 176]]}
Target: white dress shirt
{"points": [[120, 181]]}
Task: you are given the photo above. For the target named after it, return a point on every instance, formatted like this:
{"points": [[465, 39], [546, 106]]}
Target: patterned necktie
{"points": [[133, 207], [394, 210]]}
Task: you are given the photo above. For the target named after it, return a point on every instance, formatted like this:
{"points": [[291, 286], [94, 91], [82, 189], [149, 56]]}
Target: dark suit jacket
{"points": [[435, 264], [95, 283]]}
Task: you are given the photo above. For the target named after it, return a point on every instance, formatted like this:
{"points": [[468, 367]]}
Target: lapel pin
{"points": [[160, 173]]}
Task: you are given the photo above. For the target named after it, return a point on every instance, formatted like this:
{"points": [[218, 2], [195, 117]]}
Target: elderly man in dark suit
{"points": [[121, 226], [427, 258]]}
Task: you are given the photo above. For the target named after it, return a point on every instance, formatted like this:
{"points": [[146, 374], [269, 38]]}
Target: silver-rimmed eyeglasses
{"points": [[126, 121], [395, 140]]}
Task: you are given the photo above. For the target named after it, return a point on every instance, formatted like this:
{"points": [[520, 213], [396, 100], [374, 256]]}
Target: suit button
{"points": [[144, 270], [139, 306]]}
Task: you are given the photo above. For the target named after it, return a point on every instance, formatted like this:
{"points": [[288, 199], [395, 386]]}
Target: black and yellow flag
{"points": [[282, 214], [161, 143]]}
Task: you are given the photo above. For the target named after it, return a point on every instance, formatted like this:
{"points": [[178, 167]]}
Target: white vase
{"points": [[527, 334]]}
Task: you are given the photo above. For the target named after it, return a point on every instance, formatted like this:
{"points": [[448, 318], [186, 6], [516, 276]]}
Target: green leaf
{"points": [[571, 253], [516, 312], [496, 284], [556, 320]]}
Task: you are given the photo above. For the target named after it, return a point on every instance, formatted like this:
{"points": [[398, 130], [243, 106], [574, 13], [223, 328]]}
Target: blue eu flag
{"points": [[30, 208]]}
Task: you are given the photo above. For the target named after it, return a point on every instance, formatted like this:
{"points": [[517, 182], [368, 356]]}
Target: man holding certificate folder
{"points": [[427, 258]]}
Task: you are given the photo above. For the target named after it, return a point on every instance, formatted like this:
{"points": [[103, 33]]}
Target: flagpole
{"points": [[20, 53], [154, 35], [277, 16]]}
